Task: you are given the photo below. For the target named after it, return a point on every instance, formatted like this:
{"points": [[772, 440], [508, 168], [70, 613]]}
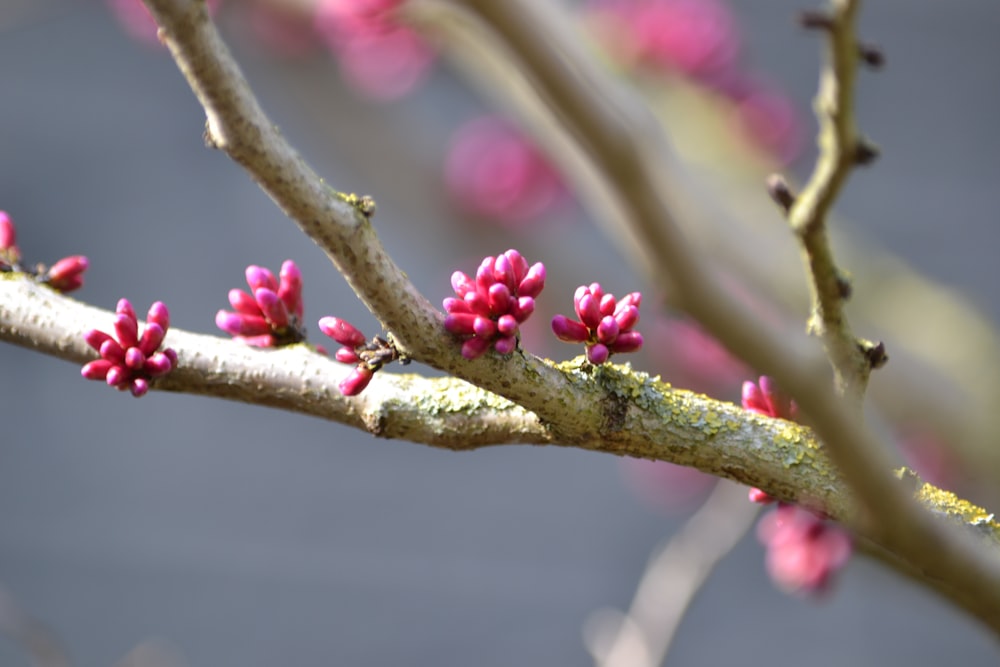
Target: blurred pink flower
{"points": [[768, 118], [693, 359], [931, 458], [804, 551], [379, 56], [696, 38], [494, 171]]}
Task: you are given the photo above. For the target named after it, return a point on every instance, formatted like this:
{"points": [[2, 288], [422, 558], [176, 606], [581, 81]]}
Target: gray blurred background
{"points": [[245, 536]]}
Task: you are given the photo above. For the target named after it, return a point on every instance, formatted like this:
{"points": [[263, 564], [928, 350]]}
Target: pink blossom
{"points": [[377, 54], [804, 551], [130, 359], [605, 325], [767, 117], [488, 310], [66, 275], [368, 357], [270, 315], [492, 170], [696, 38]]}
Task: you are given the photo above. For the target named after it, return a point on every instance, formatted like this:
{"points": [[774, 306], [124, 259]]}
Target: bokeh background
{"points": [[238, 535]]}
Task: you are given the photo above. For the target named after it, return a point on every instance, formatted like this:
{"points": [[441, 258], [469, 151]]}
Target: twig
{"points": [[620, 147], [674, 575]]}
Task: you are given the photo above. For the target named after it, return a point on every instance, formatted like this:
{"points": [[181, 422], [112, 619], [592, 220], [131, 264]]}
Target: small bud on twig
{"points": [[782, 195], [871, 55], [815, 20], [865, 153], [844, 286], [874, 352]]}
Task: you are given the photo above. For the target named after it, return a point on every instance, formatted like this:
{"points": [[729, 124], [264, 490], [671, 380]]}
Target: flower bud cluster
{"points": [[488, 309], [64, 276], [605, 326], [129, 360], [804, 550], [369, 356], [270, 315]]}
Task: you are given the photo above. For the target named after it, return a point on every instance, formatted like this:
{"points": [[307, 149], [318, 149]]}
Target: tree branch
{"points": [[623, 151]]}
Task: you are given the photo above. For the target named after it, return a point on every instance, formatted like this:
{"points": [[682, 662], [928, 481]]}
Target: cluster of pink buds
{"points": [[64, 276], [764, 398], [804, 551], [271, 314], [369, 356], [130, 360], [488, 310], [605, 326]]}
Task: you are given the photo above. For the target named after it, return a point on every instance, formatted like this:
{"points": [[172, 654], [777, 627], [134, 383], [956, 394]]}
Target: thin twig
{"points": [[674, 575]]}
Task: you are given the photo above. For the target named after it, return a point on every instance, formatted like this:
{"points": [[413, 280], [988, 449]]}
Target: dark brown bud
{"points": [[865, 153], [815, 20], [871, 55], [782, 195], [874, 352], [844, 286]]}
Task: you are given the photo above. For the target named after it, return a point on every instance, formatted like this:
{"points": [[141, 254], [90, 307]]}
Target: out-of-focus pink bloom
{"points": [[488, 310], [138, 22], [270, 315], [804, 551], [130, 359], [494, 171], [764, 398], [691, 358], [767, 117], [605, 326], [665, 486], [283, 29], [931, 458], [378, 55], [696, 38]]}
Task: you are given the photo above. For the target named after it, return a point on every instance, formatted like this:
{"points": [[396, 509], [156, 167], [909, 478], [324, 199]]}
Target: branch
{"points": [[623, 149]]}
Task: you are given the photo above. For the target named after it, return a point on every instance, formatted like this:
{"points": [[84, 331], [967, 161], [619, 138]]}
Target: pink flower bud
{"points": [[460, 324], [478, 303], [474, 347], [66, 274], [125, 308], [608, 305], [588, 310], [159, 314], [507, 325], [346, 355], [260, 340], [523, 308], [258, 276], [243, 303], [484, 327], [607, 330], [462, 284], [569, 330], [484, 275], [112, 351], [116, 376], [505, 344], [152, 337], [533, 282], [96, 370], [356, 381], [8, 234], [159, 363], [627, 317], [95, 338], [171, 354], [272, 307], [454, 305], [290, 287], [139, 387], [628, 341], [519, 263], [236, 324], [341, 331], [503, 273], [134, 358], [597, 354], [126, 329], [499, 298], [761, 497], [633, 299]]}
